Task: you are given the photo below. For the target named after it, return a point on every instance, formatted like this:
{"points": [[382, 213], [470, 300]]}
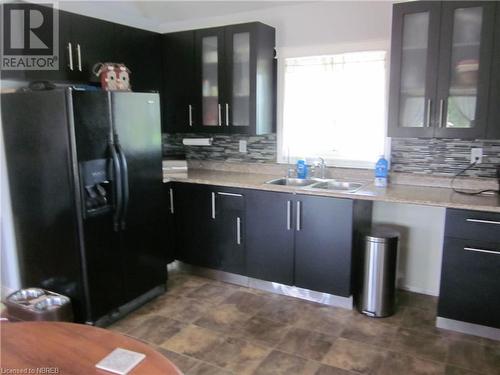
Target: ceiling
{"points": [[156, 13]]}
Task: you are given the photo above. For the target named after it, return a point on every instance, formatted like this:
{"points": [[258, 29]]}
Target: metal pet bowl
{"points": [[38, 304], [51, 303], [26, 295]]}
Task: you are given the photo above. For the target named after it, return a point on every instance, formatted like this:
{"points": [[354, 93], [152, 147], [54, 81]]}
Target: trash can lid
{"points": [[381, 233]]}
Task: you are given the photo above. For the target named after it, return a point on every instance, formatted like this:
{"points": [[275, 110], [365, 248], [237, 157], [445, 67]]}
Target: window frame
{"points": [[305, 51]]}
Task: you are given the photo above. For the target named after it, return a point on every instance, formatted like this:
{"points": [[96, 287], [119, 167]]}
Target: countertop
{"points": [[395, 193]]}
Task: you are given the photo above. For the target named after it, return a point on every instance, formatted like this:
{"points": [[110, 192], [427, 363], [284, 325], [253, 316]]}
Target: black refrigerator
{"points": [[85, 177]]}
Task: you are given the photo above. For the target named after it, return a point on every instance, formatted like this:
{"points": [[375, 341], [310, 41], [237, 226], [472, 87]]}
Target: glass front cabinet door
{"points": [[440, 66], [464, 68], [210, 74]]}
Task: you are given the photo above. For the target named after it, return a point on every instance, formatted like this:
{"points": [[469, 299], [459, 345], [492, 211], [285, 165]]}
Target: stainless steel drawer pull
{"points": [[190, 107], [289, 215], [298, 215], [213, 205], [70, 56], [227, 114], [220, 115], [238, 231], [428, 117], [229, 194], [171, 201], [441, 115], [483, 221], [482, 250], [79, 54]]}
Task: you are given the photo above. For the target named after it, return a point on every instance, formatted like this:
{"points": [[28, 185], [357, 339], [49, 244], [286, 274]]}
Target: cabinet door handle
{"points": [[213, 205], [428, 116], [171, 201], [79, 54], [229, 194], [220, 114], [70, 56], [190, 108], [298, 215], [238, 231], [289, 215], [482, 250], [441, 110], [483, 221], [227, 114]]}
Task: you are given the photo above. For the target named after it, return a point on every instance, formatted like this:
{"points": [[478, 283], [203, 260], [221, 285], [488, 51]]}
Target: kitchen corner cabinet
{"points": [[303, 240], [230, 76], [209, 226], [441, 59]]}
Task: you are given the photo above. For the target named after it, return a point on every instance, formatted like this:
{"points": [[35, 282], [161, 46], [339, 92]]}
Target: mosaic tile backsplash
{"points": [[260, 149], [438, 157], [443, 157]]}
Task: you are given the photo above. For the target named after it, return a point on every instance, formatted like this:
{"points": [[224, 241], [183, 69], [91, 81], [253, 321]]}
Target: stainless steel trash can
{"points": [[377, 289]]}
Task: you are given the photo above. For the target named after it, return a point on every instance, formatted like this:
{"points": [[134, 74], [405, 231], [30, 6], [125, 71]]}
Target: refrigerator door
{"points": [[136, 122], [99, 183], [39, 164]]}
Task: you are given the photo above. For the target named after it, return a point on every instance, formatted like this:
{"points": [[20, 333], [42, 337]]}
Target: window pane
{"points": [[335, 106]]}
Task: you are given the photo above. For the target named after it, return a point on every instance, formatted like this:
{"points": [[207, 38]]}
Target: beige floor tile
{"points": [[402, 364], [476, 357], [279, 363], [224, 318], [354, 356], [308, 344], [156, 329], [369, 331]]}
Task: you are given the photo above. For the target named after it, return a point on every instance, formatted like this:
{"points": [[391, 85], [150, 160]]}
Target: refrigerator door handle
{"points": [[125, 192], [117, 177]]}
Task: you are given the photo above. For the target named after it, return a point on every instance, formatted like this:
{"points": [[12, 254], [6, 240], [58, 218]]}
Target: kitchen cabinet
{"points": [[169, 237], [494, 116], [303, 240], [85, 41], [209, 223], [471, 260], [179, 82], [270, 236], [233, 82], [229, 230], [194, 227], [440, 69]]}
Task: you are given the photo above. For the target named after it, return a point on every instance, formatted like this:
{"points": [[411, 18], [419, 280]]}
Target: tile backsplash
{"points": [[260, 149], [434, 157], [443, 157]]}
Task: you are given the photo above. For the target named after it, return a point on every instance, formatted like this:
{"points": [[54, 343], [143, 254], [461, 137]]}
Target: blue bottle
{"points": [[301, 169], [381, 172]]}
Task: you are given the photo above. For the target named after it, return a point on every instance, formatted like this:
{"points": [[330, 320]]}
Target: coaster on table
{"points": [[120, 361]]}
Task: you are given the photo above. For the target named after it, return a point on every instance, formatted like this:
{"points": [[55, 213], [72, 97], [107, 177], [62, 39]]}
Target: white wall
{"points": [[420, 245]]}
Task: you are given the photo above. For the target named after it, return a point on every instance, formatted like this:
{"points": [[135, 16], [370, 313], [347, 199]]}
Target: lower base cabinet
{"points": [[303, 240], [470, 281], [300, 240]]}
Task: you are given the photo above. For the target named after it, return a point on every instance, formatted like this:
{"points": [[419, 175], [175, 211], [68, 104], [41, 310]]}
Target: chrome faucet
{"points": [[321, 167]]}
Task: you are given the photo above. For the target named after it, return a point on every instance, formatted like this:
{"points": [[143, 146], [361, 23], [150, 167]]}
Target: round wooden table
{"points": [[69, 348]]}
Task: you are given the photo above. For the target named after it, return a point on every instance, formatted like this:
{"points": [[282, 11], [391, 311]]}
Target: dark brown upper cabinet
{"points": [[494, 116], [441, 59], [85, 41], [217, 91]]}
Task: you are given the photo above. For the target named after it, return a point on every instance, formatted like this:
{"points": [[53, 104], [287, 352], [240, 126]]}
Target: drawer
{"points": [[470, 282], [474, 225]]}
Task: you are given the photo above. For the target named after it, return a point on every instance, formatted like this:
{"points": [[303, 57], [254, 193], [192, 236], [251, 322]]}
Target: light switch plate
{"points": [[476, 155], [243, 146]]}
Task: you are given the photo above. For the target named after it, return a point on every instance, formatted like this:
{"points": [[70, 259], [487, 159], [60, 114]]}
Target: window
{"points": [[334, 107]]}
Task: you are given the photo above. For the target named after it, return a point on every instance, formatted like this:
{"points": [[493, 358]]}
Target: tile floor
{"points": [[209, 327]]}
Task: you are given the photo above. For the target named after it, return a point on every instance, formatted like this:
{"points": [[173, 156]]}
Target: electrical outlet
{"points": [[476, 155], [243, 146]]}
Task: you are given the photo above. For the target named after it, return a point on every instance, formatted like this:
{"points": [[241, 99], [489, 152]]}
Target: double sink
{"points": [[316, 183]]}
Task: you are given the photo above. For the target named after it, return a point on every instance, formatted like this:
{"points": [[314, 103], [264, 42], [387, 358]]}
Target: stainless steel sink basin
{"points": [[292, 181], [334, 185]]}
